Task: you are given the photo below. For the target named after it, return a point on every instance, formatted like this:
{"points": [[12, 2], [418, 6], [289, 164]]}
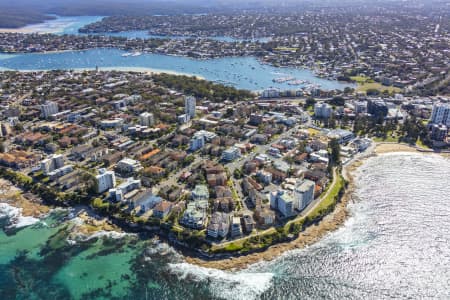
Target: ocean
{"points": [[395, 244]]}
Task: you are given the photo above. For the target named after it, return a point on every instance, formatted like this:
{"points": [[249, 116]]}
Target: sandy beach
{"points": [[122, 69], [16, 30], [393, 147], [147, 70]]}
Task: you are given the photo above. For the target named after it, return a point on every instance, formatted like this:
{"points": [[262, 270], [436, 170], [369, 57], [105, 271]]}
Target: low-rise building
{"points": [[248, 223], [439, 132], [200, 192], [120, 193], [343, 136], [128, 165], [52, 163], [231, 154], [162, 209], [219, 225], [195, 215]]}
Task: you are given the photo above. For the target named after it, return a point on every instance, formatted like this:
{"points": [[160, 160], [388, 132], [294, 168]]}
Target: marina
{"points": [[240, 72]]}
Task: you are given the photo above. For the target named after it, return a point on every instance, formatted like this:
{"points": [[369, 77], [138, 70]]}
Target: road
{"points": [[259, 149], [172, 180], [311, 207]]}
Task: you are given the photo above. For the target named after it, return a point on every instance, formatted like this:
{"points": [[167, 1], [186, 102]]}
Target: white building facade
{"points": [[48, 109], [441, 114], [105, 180], [189, 106]]}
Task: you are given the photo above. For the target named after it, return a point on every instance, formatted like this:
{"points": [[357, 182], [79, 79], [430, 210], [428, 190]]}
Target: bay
{"points": [[241, 72]]}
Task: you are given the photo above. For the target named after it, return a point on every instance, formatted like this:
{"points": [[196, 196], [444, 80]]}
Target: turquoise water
{"points": [[393, 246], [241, 72]]}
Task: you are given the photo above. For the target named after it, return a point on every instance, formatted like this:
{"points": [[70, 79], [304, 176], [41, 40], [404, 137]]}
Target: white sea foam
{"points": [[226, 285], [15, 217], [79, 237], [107, 234]]}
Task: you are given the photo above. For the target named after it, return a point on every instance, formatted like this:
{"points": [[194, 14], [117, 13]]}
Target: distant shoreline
{"points": [[17, 30], [118, 69]]}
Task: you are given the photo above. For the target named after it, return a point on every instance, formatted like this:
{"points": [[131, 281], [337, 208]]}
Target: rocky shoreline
{"points": [[313, 233], [30, 204]]}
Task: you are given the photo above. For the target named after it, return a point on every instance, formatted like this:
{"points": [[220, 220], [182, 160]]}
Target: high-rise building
{"points": [[377, 108], [323, 110], [283, 202], [146, 119], [5, 129], [197, 142], [105, 180], [441, 114], [48, 108], [189, 105], [304, 194]]}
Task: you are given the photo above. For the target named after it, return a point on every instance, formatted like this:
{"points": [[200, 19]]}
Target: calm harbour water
{"points": [[394, 245], [241, 72]]}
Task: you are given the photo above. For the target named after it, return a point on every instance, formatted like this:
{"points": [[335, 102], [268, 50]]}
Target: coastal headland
{"points": [[312, 233], [31, 207]]}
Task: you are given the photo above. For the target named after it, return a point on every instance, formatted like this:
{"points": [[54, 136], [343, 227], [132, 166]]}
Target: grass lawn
{"points": [[388, 139], [377, 86], [313, 131], [234, 246], [421, 144], [286, 49], [330, 199], [360, 79]]}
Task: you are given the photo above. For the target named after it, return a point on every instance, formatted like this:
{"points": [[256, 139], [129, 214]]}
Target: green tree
{"points": [[335, 152], [310, 102]]}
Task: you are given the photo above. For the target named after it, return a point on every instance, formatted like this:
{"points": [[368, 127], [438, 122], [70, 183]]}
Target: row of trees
{"points": [[202, 88]]}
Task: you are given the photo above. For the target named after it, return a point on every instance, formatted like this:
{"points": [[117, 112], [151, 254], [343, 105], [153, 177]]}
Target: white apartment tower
{"points": [[146, 119], [48, 108], [189, 106], [441, 114], [304, 193], [323, 110], [52, 163], [105, 180]]}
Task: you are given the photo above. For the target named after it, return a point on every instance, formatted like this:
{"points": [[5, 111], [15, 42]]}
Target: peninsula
{"points": [[217, 172]]}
